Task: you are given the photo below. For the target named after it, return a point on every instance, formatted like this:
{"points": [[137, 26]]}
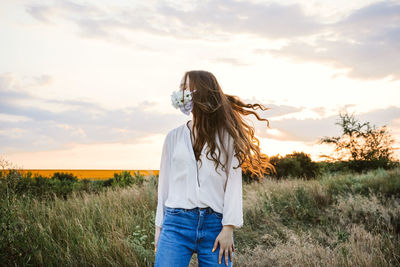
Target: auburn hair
{"points": [[213, 112]]}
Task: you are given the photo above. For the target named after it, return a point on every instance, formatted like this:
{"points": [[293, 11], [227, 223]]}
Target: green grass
{"points": [[337, 220]]}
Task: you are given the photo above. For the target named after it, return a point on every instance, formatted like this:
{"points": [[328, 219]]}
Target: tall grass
{"points": [[112, 228], [342, 220]]}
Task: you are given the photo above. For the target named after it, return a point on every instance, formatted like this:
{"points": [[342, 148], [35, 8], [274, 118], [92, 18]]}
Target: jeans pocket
{"points": [[173, 211]]}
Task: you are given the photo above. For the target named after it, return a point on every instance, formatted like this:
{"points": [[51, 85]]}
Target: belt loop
{"points": [[210, 210]]}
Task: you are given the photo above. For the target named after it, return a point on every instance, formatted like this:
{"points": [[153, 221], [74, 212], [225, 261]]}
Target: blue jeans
{"points": [[185, 231]]}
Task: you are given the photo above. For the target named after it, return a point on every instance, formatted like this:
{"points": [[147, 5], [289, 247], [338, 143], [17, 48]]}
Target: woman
{"points": [[199, 190]]}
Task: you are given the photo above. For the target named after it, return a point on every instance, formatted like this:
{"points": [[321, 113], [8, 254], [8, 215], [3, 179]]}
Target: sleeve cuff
{"points": [[237, 225]]}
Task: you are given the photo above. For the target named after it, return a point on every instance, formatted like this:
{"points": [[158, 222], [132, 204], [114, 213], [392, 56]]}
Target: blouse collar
{"points": [[190, 144]]}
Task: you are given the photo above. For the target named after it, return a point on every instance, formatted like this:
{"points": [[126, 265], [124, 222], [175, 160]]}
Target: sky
{"points": [[87, 84]]}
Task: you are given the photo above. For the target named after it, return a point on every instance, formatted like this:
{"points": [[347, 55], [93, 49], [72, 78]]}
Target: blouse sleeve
{"points": [[163, 179], [233, 203]]}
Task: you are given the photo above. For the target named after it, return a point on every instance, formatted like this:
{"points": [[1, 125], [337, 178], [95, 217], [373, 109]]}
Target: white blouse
{"points": [[185, 183]]}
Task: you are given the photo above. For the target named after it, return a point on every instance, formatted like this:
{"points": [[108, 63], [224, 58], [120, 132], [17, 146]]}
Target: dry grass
{"points": [[347, 229], [287, 223], [361, 249]]}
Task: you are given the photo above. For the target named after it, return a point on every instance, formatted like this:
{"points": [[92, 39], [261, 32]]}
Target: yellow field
{"points": [[88, 174]]}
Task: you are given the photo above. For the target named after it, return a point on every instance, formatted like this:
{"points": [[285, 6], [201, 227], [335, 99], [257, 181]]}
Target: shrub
{"points": [[297, 164], [64, 177], [125, 178]]}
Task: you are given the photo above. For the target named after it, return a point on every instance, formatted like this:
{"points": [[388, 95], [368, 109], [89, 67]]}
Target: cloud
{"points": [[39, 12], [43, 80], [7, 117], [270, 20], [83, 122], [47, 12], [31, 127], [34, 128], [310, 130], [367, 43], [92, 21], [210, 20]]}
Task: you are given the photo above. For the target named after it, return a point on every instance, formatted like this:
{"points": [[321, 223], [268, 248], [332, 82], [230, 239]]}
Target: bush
{"points": [[61, 184], [356, 166], [362, 166], [125, 178], [65, 177], [17, 183], [297, 164]]}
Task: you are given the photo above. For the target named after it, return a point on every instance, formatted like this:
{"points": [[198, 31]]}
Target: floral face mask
{"points": [[185, 103], [183, 100]]}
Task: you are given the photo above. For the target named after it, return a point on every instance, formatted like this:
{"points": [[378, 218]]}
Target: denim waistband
{"points": [[209, 209]]}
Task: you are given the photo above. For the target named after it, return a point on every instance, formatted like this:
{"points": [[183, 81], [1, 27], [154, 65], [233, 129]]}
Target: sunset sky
{"points": [[87, 84]]}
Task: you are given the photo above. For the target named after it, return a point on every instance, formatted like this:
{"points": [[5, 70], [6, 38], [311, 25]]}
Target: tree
{"points": [[361, 144]]}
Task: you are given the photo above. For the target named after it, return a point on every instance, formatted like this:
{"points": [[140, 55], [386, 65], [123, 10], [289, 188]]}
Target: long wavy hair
{"points": [[213, 112]]}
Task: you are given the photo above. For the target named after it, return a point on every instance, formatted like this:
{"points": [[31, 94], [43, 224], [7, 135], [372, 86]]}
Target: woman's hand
{"points": [[156, 236], [225, 240]]}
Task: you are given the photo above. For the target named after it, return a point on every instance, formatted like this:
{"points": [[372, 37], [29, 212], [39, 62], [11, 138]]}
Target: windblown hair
{"points": [[213, 112]]}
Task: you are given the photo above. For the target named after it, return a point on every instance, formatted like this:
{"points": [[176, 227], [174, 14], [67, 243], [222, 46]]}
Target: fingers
{"points": [[226, 257], [227, 252], [155, 245], [215, 244], [221, 251]]}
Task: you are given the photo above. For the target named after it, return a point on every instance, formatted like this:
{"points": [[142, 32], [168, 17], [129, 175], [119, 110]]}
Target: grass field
{"points": [[336, 220]]}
